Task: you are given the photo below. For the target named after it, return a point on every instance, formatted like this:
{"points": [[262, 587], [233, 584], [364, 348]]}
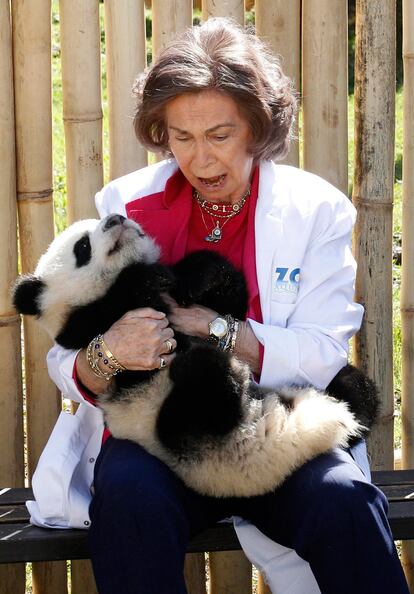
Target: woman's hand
{"points": [[138, 340], [192, 320]]}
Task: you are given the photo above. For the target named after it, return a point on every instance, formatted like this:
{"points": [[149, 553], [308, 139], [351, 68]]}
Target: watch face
{"points": [[218, 327]]}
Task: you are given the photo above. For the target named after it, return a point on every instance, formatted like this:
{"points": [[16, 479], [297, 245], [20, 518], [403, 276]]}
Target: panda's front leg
{"points": [[206, 399]]}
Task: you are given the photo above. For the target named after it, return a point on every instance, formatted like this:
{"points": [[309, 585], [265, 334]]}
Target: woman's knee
{"points": [[332, 496]]}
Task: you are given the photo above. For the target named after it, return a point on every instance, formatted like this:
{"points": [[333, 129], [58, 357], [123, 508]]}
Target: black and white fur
{"points": [[203, 416]]}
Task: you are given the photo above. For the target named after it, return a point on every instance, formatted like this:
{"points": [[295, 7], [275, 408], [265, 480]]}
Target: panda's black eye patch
{"points": [[83, 251]]}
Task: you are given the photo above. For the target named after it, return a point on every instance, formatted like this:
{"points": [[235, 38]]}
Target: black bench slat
{"points": [[19, 541], [23, 542], [393, 477], [15, 496], [13, 514], [401, 519], [398, 492]]}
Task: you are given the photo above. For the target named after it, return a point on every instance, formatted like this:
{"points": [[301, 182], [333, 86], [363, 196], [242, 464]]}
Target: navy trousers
{"points": [[143, 515]]}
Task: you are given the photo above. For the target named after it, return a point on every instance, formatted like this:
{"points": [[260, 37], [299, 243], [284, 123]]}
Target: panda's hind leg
{"points": [[352, 386], [206, 400]]}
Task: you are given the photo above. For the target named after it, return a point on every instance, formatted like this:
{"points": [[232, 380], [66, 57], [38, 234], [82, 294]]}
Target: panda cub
{"points": [[203, 416]]}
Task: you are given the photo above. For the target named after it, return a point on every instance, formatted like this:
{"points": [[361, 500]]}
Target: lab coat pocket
{"points": [[56, 466], [280, 313]]}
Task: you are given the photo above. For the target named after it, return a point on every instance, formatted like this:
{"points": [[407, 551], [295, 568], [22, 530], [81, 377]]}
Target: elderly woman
{"points": [[217, 102]]}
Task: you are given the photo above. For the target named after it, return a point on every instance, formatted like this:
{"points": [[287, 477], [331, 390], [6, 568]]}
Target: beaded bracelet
{"points": [[234, 336], [98, 352]]}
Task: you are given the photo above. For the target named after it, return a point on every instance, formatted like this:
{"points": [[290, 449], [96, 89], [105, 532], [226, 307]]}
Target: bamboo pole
{"points": [[407, 287], [82, 115], [195, 573], [278, 23], [225, 8], [83, 581], [82, 111], [325, 89], [32, 76], [12, 577], [125, 57], [230, 573], [373, 196], [169, 18]]}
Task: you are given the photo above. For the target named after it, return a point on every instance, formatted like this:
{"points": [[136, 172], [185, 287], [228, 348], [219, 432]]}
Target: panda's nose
{"points": [[113, 220]]}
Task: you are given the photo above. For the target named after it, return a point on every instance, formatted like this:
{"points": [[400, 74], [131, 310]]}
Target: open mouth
{"points": [[212, 182]]}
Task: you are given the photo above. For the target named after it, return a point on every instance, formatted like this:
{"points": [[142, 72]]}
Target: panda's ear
{"points": [[25, 294]]}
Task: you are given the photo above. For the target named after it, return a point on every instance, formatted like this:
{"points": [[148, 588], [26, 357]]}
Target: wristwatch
{"points": [[217, 329]]}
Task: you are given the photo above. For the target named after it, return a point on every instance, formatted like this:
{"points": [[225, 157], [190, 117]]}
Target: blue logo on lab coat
{"points": [[287, 280]]}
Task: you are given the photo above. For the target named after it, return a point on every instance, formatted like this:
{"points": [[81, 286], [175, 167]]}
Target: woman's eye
{"points": [[182, 139]]}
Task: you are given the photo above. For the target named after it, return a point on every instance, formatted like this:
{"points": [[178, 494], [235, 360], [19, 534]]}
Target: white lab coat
{"points": [[305, 273]]}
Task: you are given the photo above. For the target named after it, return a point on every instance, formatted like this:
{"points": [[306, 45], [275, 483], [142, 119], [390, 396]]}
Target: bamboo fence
{"points": [[123, 20], [82, 105], [407, 287], [278, 23], [12, 578], [311, 37], [33, 130], [373, 197], [325, 105]]}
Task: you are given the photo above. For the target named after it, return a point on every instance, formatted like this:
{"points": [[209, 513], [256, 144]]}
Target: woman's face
{"points": [[209, 139]]}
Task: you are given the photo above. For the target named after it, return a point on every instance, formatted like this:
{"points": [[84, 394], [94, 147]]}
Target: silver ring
{"points": [[169, 345], [162, 363]]}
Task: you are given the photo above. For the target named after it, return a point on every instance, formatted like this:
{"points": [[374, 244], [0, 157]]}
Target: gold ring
{"points": [[162, 363], [169, 345]]}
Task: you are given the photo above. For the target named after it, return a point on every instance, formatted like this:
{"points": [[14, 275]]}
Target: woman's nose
{"points": [[203, 155]]}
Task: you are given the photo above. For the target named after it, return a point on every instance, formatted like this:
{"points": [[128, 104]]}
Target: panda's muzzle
{"points": [[116, 224], [113, 220]]}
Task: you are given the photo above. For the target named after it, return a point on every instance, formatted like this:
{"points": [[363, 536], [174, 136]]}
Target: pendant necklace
{"points": [[219, 211]]}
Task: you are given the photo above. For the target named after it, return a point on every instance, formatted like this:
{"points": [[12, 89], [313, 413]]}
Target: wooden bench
{"points": [[20, 541]]}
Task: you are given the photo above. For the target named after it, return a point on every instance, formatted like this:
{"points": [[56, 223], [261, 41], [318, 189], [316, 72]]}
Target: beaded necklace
{"points": [[219, 211]]}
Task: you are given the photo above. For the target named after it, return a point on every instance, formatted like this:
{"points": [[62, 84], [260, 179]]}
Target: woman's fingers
{"points": [[169, 345], [141, 338]]}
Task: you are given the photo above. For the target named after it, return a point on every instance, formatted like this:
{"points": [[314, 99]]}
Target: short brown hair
{"points": [[219, 55]]}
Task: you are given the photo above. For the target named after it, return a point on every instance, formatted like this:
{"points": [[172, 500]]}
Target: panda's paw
{"points": [[352, 386]]}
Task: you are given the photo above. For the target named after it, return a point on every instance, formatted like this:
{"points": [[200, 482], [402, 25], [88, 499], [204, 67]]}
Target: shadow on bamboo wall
{"points": [[104, 45]]}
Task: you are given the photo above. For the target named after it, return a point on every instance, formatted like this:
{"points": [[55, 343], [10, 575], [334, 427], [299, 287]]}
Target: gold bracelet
{"points": [[97, 352], [93, 364], [108, 356]]}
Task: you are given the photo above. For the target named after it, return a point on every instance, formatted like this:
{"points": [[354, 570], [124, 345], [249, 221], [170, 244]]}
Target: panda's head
{"points": [[79, 266]]}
